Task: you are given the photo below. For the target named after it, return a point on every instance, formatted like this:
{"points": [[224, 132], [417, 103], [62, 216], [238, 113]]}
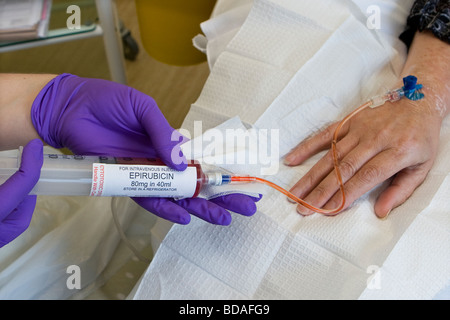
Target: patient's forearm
{"points": [[17, 93], [429, 61]]}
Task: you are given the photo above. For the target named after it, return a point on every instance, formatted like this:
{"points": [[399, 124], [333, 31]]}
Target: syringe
{"points": [[77, 175]]}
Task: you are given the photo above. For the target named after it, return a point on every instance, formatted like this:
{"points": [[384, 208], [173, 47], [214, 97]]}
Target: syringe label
{"points": [[110, 180]]}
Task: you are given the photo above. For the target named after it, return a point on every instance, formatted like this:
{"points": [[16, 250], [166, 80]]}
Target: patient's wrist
{"points": [[429, 61]]}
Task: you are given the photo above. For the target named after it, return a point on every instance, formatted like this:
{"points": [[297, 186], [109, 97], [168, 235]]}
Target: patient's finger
{"points": [[329, 185], [323, 168], [400, 189], [311, 146], [377, 170]]}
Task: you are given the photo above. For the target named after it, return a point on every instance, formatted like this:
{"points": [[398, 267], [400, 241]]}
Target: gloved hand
{"points": [[17, 206], [99, 117]]}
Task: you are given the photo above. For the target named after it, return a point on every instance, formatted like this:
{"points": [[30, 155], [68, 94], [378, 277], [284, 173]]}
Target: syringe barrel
{"points": [[60, 174], [72, 175]]}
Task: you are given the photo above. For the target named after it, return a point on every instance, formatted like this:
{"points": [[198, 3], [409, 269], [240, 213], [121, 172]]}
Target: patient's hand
{"points": [[397, 141]]}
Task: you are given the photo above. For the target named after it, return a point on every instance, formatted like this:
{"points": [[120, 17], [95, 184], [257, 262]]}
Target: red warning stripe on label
{"points": [[98, 179]]}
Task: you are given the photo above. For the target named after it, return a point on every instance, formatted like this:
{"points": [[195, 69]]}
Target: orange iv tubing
{"points": [[410, 90], [336, 170]]}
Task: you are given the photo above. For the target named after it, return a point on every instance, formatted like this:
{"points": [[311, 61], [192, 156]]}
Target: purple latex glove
{"points": [[17, 206], [99, 117]]}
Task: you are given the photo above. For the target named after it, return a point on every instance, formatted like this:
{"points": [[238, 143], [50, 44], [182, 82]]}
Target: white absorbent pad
{"points": [[227, 18], [278, 254], [294, 66]]}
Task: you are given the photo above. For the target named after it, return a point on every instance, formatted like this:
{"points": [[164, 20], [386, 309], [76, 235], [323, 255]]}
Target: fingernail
{"points": [[288, 159], [304, 211], [291, 200], [297, 192], [386, 216]]}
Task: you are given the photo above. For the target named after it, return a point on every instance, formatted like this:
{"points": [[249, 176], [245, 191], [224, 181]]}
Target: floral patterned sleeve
{"points": [[433, 15]]}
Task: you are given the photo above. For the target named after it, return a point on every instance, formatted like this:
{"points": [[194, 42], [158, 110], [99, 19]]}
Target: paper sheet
{"points": [[272, 79], [278, 254]]}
